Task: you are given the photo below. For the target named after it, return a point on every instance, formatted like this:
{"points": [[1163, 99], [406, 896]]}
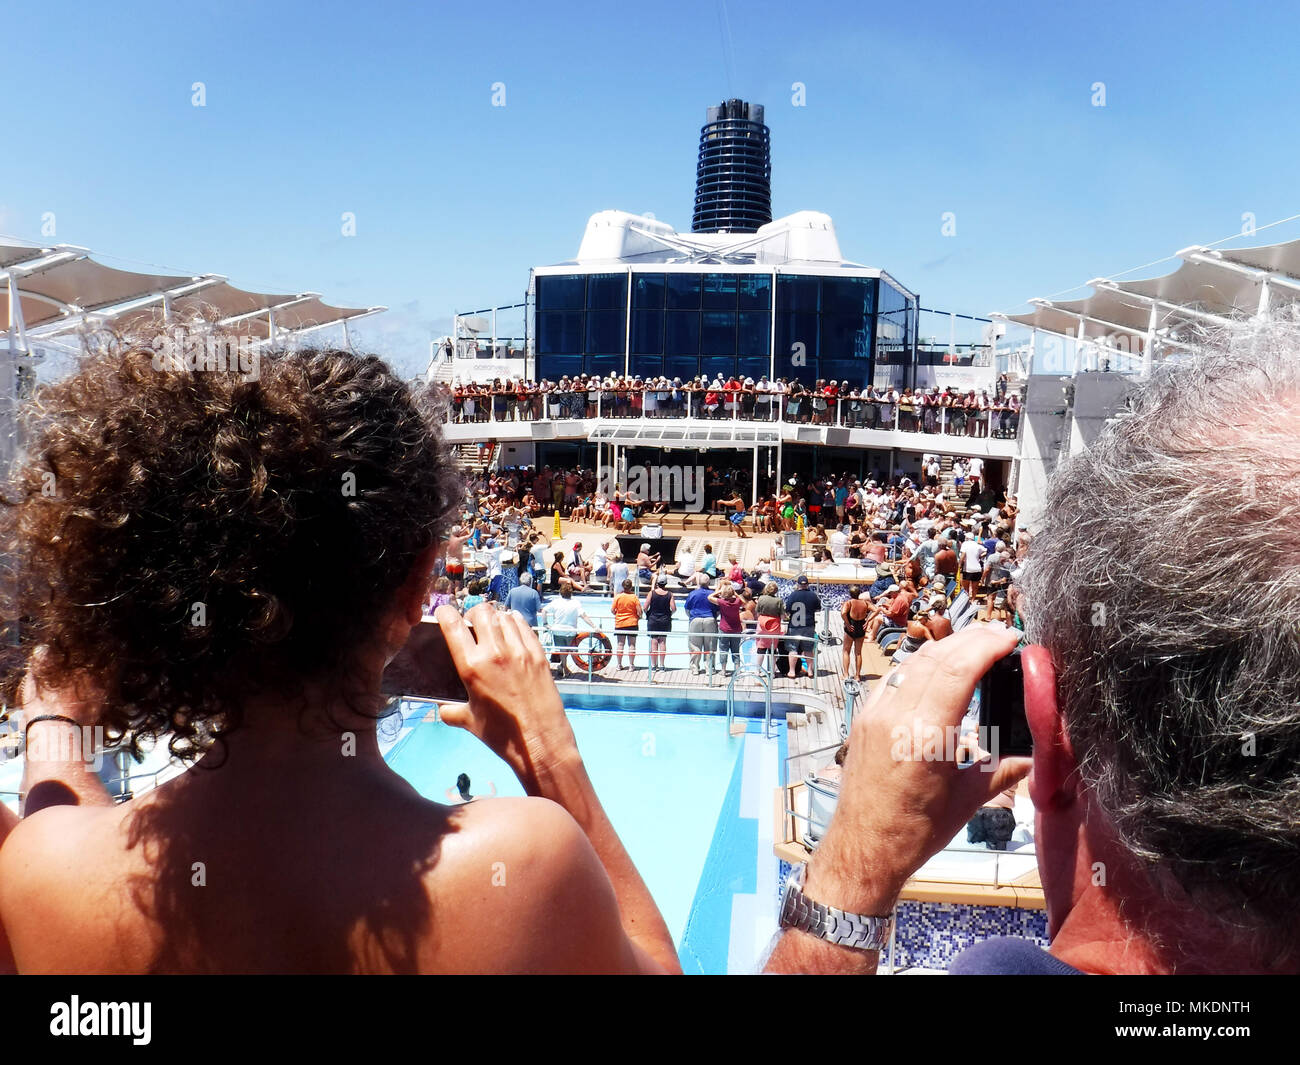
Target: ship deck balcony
{"points": [[844, 423]]}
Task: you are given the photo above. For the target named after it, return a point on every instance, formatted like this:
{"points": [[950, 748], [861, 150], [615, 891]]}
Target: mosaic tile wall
{"points": [[930, 934], [832, 595]]}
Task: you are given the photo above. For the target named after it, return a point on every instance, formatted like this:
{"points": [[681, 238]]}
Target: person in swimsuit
{"points": [[736, 503], [917, 635], [461, 792], [659, 608], [854, 612]]}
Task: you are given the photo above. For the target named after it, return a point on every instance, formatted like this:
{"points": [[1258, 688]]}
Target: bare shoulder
{"points": [[538, 896], [51, 878], [50, 842]]}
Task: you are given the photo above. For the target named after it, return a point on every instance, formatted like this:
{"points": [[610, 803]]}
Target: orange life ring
{"points": [[599, 659]]}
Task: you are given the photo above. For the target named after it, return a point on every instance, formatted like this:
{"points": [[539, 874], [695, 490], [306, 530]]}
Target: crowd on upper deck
{"points": [[823, 402]]}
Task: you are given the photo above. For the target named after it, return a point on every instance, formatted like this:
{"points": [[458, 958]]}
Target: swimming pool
{"points": [[691, 803]]}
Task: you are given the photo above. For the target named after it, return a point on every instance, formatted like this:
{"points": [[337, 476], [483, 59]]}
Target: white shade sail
{"points": [[61, 288]]}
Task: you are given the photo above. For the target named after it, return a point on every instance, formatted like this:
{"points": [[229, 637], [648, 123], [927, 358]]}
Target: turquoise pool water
{"points": [[685, 797]]}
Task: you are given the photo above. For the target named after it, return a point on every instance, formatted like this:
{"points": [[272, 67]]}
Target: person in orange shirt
{"points": [[627, 618]]}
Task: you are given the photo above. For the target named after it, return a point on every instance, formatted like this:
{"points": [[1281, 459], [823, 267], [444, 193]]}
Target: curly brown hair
{"points": [[186, 538]]}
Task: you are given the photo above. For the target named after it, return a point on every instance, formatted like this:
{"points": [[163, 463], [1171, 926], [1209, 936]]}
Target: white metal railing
{"points": [[997, 421]]}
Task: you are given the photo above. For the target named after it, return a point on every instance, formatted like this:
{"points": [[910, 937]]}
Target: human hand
{"points": [[904, 796], [514, 706]]}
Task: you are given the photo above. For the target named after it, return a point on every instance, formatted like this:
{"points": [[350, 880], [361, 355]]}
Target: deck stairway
{"points": [[475, 458]]}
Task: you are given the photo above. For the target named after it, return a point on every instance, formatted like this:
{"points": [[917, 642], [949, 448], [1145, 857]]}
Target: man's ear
{"points": [[1054, 762]]}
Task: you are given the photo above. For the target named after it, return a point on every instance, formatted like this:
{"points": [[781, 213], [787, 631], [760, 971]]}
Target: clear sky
{"points": [[386, 111]]}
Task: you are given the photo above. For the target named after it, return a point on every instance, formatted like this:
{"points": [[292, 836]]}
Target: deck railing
{"points": [[998, 421]]}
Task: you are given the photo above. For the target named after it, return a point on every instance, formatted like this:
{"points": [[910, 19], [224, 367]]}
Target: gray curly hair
{"points": [[1165, 581]]}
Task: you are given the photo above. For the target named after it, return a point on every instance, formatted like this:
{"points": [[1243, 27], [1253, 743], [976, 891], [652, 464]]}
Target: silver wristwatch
{"points": [[828, 923]]}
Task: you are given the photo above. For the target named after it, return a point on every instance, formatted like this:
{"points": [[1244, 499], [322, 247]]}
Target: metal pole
{"points": [[627, 326], [753, 488]]}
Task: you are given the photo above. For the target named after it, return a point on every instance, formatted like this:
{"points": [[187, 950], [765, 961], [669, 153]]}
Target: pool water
{"points": [[692, 804]]}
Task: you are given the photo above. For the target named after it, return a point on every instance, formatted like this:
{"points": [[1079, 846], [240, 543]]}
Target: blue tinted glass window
{"points": [[754, 368], [681, 366], [648, 366], [683, 291], [797, 293], [604, 332], [844, 371], [718, 333], [559, 332], [847, 295], [752, 334], [844, 336], [603, 365], [647, 290], [607, 292], [647, 332], [682, 336], [553, 367], [563, 292], [718, 367], [755, 292], [890, 298], [719, 292], [794, 329]]}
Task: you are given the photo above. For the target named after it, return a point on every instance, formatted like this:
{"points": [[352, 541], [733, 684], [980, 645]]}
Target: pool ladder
{"points": [[762, 675]]}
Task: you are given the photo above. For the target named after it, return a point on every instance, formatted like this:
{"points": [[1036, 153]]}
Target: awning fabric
{"points": [[58, 286]]}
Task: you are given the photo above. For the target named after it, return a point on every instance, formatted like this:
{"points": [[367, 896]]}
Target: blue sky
{"points": [[385, 110]]}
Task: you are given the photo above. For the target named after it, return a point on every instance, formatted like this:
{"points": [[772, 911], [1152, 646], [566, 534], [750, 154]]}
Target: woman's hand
{"points": [[514, 706]]}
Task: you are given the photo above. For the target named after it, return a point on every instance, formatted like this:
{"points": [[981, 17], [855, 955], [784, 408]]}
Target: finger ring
{"points": [[895, 680]]}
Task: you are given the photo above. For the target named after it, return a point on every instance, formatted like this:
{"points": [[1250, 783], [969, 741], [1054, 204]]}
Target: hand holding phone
{"points": [[513, 705], [423, 668]]}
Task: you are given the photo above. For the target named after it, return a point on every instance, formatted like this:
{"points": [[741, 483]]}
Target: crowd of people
{"points": [[518, 494], [924, 549], [1165, 730], [949, 410]]}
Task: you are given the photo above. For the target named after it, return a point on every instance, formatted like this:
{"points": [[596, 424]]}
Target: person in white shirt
{"points": [[562, 617], [839, 544], [685, 568], [972, 564], [600, 561], [887, 408], [538, 555], [976, 470]]}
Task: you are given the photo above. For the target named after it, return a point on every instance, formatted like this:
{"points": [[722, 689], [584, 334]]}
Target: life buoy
{"points": [[599, 659]]}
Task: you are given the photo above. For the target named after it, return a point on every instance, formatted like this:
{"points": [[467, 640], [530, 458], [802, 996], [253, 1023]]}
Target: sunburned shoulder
{"points": [[524, 869], [51, 877]]}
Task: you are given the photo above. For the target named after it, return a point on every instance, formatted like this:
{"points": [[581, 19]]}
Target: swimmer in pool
{"points": [[460, 793]]}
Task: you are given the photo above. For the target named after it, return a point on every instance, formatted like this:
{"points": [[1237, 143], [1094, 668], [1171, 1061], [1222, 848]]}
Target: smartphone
{"points": [[1002, 706], [423, 668]]}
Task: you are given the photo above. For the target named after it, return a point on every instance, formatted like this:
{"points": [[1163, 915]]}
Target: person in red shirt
{"points": [[893, 611]]}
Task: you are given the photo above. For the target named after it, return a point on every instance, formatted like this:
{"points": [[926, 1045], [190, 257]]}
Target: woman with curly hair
{"points": [[229, 564]]}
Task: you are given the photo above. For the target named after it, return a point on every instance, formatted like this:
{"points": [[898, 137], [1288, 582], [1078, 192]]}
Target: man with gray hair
{"points": [[1165, 721]]}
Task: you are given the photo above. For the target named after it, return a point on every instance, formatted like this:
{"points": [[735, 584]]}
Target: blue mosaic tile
{"points": [[930, 934]]}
